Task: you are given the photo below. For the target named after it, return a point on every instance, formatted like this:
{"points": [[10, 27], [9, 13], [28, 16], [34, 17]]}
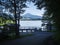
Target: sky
{"points": [[32, 9]]}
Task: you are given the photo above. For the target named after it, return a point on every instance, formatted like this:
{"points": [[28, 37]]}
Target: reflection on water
{"points": [[26, 31], [30, 25]]}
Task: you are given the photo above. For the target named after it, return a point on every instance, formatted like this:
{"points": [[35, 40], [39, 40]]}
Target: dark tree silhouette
{"points": [[52, 8], [14, 7]]}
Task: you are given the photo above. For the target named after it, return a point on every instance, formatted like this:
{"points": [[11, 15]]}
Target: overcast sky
{"points": [[33, 9]]}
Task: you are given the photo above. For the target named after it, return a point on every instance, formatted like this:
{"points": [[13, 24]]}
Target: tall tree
{"points": [[20, 5], [52, 7], [15, 7]]}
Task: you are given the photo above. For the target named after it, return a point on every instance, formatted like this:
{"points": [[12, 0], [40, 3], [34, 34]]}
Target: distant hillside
{"points": [[31, 17]]}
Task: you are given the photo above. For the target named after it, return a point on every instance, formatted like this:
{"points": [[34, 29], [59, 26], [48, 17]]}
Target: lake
{"points": [[31, 23]]}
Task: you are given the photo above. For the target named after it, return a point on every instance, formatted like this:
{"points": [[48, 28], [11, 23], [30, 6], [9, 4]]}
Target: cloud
{"points": [[33, 9]]}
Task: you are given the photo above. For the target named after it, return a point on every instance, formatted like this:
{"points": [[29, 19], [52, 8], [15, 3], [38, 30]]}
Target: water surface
{"points": [[35, 23]]}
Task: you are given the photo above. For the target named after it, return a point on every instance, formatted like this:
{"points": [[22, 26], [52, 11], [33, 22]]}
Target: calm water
{"points": [[31, 23]]}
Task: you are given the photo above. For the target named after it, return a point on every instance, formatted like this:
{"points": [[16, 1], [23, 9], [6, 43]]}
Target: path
{"points": [[37, 39]]}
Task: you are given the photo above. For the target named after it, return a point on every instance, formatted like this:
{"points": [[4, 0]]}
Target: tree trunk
{"points": [[16, 25]]}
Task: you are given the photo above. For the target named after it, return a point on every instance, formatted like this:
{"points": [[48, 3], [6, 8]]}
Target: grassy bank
{"points": [[13, 37]]}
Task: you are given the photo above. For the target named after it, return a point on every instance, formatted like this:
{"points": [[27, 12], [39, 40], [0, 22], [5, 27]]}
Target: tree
{"points": [[5, 17], [16, 8], [52, 8], [20, 6]]}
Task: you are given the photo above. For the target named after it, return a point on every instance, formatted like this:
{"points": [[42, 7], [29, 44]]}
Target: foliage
{"points": [[4, 18], [52, 8], [14, 7]]}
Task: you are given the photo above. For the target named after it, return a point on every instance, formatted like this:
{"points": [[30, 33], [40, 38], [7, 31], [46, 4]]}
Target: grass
{"points": [[55, 39], [22, 36], [12, 36], [51, 31]]}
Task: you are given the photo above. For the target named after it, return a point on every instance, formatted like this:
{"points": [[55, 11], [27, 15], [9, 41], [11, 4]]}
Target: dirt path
{"points": [[37, 39]]}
